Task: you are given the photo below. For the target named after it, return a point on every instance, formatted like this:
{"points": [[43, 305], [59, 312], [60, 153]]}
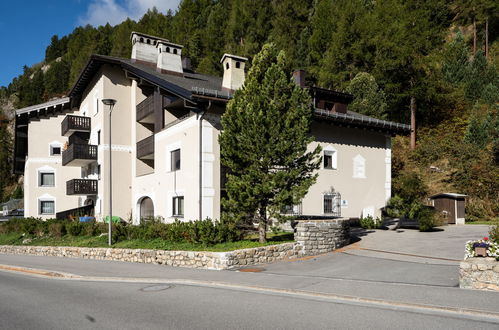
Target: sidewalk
{"points": [[290, 277]]}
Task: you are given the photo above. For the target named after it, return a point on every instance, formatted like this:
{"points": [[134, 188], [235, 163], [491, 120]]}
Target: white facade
{"points": [[181, 178]]}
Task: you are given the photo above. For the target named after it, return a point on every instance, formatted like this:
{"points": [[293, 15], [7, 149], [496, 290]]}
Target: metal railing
{"points": [[79, 151], [79, 211], [145, 147], [81, 187], [145, 108], [75, 123]]}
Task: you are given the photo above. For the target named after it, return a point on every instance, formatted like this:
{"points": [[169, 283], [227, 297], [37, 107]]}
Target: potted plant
{"points": [[481, 247]]}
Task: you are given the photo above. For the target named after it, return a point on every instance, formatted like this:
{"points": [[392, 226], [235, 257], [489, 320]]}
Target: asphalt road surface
{"points": [[28, 302]]}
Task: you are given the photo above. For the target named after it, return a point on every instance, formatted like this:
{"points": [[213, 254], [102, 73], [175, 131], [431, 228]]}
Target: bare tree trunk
{"points": [[474, 36], [413, 122], [262, 226], [487, 38]]}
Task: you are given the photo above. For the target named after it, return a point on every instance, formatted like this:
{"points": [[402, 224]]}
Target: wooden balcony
{"points": [[145, 111], [72, 124], [145, 148], [79, 155], [81, 187]]}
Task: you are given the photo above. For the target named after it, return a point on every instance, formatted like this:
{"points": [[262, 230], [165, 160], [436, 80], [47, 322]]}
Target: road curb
{"points": [[458, 312]]}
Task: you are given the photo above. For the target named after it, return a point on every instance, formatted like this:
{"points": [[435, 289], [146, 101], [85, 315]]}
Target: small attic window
{"points": [[227, 65], [148, 41], [167, 49], [141, 39], [154, 43], [238, 65], [175, 51]]}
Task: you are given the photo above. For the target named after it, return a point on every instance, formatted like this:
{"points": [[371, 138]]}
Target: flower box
{"points": [[481, 251], [481, 248]]}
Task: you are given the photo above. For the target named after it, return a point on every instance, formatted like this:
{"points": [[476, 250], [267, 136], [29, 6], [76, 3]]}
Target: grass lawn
{"points": [[155, 244]]}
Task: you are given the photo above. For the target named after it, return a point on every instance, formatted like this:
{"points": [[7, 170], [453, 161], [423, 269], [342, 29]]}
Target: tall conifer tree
{"points": [[264, 142]]}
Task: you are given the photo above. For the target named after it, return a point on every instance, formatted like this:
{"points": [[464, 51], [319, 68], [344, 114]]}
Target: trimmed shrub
{"points": [[425, 216], [370, 223], [396, 207], [494, 233], [74, 228]]}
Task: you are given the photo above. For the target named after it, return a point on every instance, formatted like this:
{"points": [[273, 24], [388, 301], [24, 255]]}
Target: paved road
{"points": [[38, 303], [383, 271]]}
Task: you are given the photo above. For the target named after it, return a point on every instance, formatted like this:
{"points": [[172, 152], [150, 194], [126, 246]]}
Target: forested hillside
{"points": [[440, 56]]}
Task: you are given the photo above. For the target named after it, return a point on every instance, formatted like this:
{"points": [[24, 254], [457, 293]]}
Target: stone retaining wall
{"points": [[312, 237], [322, 236], [190, 259], [479, 273]]}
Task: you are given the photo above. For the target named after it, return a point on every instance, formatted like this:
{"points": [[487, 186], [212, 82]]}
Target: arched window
{"points": [[175, 51], [148, 41], [238, 65], [141, 39], [146, 209], [227, 65], [167, 49]]}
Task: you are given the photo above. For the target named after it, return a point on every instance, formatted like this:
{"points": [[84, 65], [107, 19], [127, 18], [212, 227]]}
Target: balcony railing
{"points": [[79, 155], [145, 110], [72, 124], [81, 187], [145, 148]]}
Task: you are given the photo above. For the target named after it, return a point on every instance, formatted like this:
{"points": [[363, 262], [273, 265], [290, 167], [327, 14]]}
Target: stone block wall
{"points": [[322, 236], [312, 237], [479, 273], [190, 259]]}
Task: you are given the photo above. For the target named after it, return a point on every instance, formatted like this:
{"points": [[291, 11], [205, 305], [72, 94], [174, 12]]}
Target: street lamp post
{"points": [[110, 103]]}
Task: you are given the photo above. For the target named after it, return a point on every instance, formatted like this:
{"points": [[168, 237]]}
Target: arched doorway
{"points": [[146, 209]]}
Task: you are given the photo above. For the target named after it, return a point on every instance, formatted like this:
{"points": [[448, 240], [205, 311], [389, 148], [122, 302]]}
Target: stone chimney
{"points": [[299, 77], [157, 52], [144, 48], [169, 57], [233, 72]]}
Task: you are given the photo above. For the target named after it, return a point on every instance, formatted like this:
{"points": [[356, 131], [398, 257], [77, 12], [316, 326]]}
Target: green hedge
{"points": [[206, 232]]}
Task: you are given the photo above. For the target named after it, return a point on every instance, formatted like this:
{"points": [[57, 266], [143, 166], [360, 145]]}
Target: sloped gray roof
{"points": [[52, 103]]}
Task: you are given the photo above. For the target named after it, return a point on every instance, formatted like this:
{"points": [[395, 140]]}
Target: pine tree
{"points": [[264, 142], [369, 99]]}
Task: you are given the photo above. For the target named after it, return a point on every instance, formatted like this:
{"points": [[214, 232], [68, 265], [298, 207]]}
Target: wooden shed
{"points": [[451, 205]]}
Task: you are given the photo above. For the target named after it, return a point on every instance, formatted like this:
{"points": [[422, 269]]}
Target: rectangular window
{"points": [[332, 204], [98, 137], [328, 204], [175, 159], [55, 150], [47, 207], [178, 206], [96, 105], [328, 161], [47, 179], [98, 172]]}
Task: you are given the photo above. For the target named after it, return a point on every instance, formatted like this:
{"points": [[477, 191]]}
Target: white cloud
{"points": [[100, 12]]}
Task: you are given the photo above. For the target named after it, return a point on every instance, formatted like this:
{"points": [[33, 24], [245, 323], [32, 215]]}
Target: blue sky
{"points": [[27, 26]]}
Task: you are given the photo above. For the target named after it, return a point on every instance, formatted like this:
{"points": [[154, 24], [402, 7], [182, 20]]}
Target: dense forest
{"points": [[434, 56]]}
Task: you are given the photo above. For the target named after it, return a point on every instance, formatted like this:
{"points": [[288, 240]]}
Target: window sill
{"points": [[177, 216]]}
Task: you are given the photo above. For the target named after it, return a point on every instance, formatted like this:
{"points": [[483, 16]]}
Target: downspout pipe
{"points": [[201, 116]]}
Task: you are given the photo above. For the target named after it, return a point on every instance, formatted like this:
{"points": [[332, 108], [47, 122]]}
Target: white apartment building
{"points": [[164, 143]]}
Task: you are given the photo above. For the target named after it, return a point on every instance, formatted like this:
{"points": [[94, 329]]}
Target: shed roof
{"points": [[450, 195]]}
